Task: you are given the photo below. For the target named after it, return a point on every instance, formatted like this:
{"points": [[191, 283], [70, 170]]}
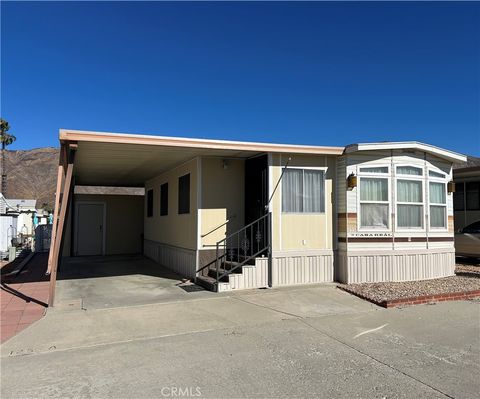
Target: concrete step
{"points": [[207, 282]]}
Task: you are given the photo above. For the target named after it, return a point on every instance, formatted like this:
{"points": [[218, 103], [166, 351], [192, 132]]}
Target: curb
{"points": [[417, 300]]}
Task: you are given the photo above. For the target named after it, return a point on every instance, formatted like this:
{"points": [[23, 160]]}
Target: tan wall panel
{"points": [[289, 230], [223, 198], [173, 229], [124, 223]]}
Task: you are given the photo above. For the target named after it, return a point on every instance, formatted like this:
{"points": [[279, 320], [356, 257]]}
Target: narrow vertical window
{"points": [[184, 194], [374, 203], [438, 205], [409, 203], [164, 199], [149, 203]]}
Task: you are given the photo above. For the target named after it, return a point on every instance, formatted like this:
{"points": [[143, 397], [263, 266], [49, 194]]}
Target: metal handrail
{"points": [[262, 234]]}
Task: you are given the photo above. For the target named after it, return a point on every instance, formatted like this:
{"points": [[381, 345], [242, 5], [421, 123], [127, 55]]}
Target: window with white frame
{"points": [[409, 170], [409, 203], [374, 169], [438, 205], [303, 191], [374, 204]]}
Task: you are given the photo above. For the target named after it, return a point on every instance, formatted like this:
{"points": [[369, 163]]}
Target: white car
{"points": [[467, 241]]}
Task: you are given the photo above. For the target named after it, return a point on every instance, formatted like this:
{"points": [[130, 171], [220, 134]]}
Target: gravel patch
{"points": [[388, 291], [468, 268]]}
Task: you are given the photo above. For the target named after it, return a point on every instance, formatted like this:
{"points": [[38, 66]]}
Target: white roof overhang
{"points": [[407, 145], [112, 159]]}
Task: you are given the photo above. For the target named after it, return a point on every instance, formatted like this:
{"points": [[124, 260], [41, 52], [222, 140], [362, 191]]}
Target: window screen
{"points": [[303, 191]]}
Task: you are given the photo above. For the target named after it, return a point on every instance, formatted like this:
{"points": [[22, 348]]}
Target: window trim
{"points": [[388, 202], [361, 172], [421, 167], [320, 168], [445, 205], [423, 204]]}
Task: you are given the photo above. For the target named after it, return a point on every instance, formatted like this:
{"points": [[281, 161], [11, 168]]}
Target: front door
{"points": [[89, 229], [256, 188]]}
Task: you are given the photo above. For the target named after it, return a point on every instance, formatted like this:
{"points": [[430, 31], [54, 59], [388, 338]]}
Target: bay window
{"points": [[409, 203], [374, 203], [303, 191], [438, 205]]}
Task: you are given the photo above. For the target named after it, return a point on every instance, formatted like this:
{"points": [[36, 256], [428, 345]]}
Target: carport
{"points": [[99, 261], [99, 282]]}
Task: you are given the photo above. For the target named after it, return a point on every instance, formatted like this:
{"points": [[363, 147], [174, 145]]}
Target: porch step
{"points": [[207, 282]]}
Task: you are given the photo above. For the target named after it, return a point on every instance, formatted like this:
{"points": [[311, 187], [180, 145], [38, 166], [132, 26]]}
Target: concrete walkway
{"points": [[294, 342]]}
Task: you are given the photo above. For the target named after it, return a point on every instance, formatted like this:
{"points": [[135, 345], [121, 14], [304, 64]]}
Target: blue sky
{"points": [[314, 73]]}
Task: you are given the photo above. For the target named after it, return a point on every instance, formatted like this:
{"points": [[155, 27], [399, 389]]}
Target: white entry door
{"points": [[89, 228]]}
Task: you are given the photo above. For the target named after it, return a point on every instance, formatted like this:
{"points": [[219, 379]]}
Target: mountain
{"points": [[32, 174]]}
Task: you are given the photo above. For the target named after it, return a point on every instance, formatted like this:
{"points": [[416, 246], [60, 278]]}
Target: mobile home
{"points": [[238, 215]]}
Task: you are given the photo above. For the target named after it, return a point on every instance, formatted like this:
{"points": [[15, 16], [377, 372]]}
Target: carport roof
{"points": [[119, 159]]}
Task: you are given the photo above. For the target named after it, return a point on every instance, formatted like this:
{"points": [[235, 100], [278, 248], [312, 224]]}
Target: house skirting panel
{"points": [[181, 260], [305, 267], [358, 267]]}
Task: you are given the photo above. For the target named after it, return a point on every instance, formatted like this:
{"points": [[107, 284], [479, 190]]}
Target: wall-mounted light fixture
{"points": [[225, 164], [351, 181], [451, 187]]}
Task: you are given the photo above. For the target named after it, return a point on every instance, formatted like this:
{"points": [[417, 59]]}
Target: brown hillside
{"points": [[32, 174]]}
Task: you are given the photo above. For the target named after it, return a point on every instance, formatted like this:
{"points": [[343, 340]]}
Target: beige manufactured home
{"points": [[240, 215]]}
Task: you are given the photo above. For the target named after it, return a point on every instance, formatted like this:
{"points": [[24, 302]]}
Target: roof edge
{"points": [[414, 145], [127, 138]]}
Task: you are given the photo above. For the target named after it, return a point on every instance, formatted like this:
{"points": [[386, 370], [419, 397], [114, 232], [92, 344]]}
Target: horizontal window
{"points": [[432, 173], [374, 169], [409, 170], [303, 191]]}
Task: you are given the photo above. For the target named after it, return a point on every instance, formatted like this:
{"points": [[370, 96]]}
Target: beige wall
{"points": [[124, 223], [222, 199], [302, 231], [173, 229]]}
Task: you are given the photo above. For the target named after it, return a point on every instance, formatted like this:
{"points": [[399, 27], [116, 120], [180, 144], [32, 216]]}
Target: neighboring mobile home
{"points": [[237, 215]]}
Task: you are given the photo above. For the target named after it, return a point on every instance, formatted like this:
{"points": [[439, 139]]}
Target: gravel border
{"points": [[410, 292]]}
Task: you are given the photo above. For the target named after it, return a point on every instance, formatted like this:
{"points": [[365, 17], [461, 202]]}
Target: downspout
{"points": [[393, 210], [427, 200]]}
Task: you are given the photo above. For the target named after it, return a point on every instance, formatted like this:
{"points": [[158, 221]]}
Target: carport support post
{"points": [[61, 222], [60, 177]]}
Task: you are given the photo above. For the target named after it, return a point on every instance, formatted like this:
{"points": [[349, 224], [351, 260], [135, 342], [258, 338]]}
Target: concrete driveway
{"points": [[116, 281], [292, 342]]}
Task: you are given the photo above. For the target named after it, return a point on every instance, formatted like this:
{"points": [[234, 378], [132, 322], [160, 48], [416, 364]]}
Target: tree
{"points": [[6, 139]]}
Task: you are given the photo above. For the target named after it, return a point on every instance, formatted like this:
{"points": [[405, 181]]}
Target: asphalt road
{"points": [[307, 342]]}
